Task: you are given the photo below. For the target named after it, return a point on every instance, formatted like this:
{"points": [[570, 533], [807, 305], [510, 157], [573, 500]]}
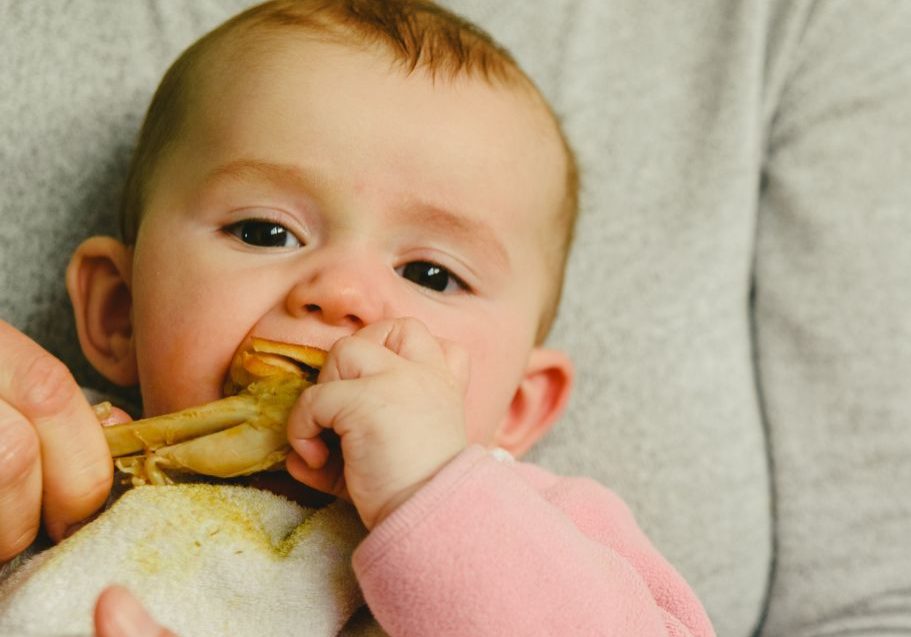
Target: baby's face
{"points": [[323, 189]]}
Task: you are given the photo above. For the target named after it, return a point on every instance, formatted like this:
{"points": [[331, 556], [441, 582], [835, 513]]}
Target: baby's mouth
{"points": [[257, 358], [277, 481], [240, 435]]}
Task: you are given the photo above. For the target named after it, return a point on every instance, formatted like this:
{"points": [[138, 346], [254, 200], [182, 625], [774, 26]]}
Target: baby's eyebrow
{"points": [[463, 228], [254, 168]]}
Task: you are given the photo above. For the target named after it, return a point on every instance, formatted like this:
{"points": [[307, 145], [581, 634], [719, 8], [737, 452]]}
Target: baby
{"points": [[381, 180]]}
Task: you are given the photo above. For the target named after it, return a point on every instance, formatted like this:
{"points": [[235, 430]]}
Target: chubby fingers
{"points": [[66, 449], [319, 409], [373, 350], [328, 477], [410, 339], [407, 337], [377, 346]]}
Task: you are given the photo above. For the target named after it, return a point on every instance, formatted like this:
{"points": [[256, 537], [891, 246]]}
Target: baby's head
{"points": [[314, 166]]}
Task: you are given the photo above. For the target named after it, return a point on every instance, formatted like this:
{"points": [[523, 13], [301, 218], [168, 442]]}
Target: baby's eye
{"points": [[264, 234], [432, 276]]}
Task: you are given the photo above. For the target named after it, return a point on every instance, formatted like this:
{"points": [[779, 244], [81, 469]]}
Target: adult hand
{"points": [[54, 462], [119, 614]]}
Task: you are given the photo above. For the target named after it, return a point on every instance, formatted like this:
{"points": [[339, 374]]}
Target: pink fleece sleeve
{"points": [[493, 548]]}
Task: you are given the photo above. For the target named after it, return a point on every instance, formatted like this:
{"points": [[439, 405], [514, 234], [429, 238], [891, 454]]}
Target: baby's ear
{"points": [[538, 402], [98, 280]]}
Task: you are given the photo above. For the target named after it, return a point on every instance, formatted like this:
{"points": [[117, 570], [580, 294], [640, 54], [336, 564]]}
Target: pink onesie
{"points": [[505, 548]]}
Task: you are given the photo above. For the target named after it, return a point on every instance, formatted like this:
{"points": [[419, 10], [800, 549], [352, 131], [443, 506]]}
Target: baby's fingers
{"points": [[379, 347], [407, 337], [312, 451], [383, 346], [328, 478], [320, 407], [310, 425]]}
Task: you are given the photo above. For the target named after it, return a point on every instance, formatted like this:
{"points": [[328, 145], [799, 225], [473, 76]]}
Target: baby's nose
{"points": [[348, 296], [333, 316]]}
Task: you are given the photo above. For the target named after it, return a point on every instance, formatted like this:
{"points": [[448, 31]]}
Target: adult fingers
{"points": [[76, 466], [119, 614], [20, 483]]}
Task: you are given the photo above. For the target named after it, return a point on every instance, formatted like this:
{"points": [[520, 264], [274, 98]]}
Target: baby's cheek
{"points": [[499, 356], [486, 404], [181, 366]]}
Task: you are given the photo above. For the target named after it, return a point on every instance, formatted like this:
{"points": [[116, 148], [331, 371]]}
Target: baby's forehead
{"points": [[258, 49]]}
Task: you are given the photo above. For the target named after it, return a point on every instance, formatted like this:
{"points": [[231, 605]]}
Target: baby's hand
{"points": [[54, 462], [393, 394]]}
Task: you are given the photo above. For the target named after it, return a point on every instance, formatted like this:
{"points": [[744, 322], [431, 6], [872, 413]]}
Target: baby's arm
{"points": [[54, 462], [461, 543], [489, 548]]}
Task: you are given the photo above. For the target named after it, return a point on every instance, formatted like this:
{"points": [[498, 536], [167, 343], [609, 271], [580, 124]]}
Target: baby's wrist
{"points": [[393, 503], [400, 497]]}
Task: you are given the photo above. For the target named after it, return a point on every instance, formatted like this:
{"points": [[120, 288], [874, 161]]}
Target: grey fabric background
{"points": [[739, 297]]}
